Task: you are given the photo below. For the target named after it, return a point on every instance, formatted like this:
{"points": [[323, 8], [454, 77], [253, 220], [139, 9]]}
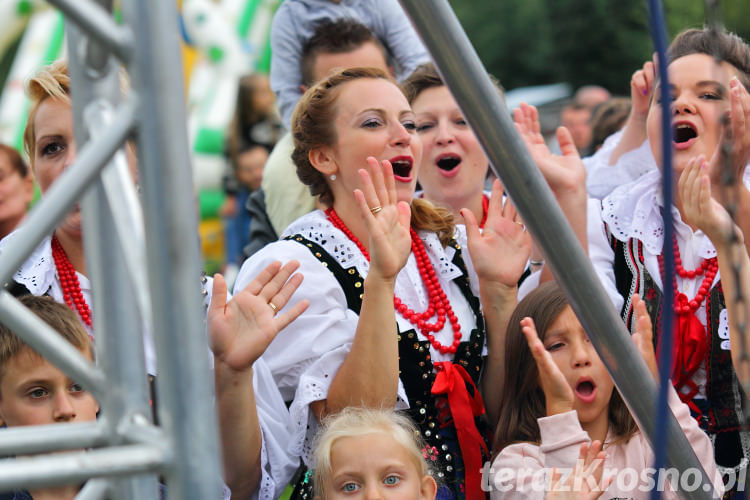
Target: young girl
{"points": [[562, 396], [709, 75], [372, 454]]}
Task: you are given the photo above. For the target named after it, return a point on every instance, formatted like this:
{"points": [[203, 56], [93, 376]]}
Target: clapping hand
{"points": [[700, 209], [387, 219], [500, 252], [558, 395], [737, 132], [585, 481], [240, 330], [564, 173]]}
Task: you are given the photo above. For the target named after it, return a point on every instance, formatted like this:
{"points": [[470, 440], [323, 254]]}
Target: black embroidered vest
{"points": [[720, 414], [430, 413]]}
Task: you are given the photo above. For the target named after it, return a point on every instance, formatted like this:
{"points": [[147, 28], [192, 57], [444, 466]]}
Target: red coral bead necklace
{"points": [[438, 301], [71, 288], [708, 267]]}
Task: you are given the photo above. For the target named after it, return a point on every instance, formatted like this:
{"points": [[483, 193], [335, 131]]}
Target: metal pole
{"points": [[464, 74], [66, 191], [95, 85], [73, 468], [55, 437], [95, 489], [185, 381], [47, 342], [99, 24]]}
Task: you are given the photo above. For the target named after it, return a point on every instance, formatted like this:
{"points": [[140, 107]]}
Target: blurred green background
{"points": [[535, 42]]}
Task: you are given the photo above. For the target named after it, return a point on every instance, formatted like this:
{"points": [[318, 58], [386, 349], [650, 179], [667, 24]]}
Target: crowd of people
{"points": [[394, 330]]}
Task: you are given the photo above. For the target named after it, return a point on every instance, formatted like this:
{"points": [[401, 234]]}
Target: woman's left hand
{"points": [[737, 132], [387, 220], [501, 251]]}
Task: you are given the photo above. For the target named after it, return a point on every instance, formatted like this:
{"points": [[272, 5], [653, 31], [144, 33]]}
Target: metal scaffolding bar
{"points": [[66, 191], [55, 437], [95, 489], [464, 74], [95, 81], [173, 255], [73, 468], [99, 24], [47, 342]]}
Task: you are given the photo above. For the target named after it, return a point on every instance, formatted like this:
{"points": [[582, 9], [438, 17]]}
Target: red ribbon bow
{"points": [[689, 349], [452, 380]]}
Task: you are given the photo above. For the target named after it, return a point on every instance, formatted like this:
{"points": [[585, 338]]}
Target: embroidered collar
{"points": [[37, 273], [316, 227]]}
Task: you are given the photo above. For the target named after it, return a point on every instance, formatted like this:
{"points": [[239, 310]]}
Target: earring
{"points": [[333, 177]]}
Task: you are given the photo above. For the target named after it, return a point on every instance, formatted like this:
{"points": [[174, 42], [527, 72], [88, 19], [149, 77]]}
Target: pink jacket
{"points": [[518, 471]]}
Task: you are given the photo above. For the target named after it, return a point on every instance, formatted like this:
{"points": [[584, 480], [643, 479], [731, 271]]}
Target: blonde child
{"points": [[561, 397], [363, 452]]}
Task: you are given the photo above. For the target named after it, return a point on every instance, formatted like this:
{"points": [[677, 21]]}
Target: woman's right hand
{"points": [[558, 395], [699, 207], [641, 89], [390, 239]]}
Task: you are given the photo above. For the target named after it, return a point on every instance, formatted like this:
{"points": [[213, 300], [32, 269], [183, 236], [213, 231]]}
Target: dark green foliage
{"points": [[533, 42]]}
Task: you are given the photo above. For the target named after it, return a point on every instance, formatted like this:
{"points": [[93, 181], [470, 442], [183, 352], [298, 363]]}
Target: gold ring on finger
{"points": [[375, 210], [273, 306]]}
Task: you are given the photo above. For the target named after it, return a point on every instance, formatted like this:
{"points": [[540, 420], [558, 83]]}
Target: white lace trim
{"points": [[634, 211], [267, 487], [37, 273], [316, 227], [313, 386]]}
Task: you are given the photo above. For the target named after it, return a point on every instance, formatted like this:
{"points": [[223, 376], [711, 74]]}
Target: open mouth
{"points": [[683, 134], [586, 390], [448, 162], [402, 166]]}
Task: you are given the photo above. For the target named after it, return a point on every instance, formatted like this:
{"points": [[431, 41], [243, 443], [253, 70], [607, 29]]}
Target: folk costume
{"points": [[438, 376], [626, 237]]}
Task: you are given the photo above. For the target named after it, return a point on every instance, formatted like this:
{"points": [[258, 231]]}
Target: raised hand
{"points": [[558, 395], [738, 133], [565, 174], [641, 89], [500, 252], [643, 338], [585, 480], [240, 330], [387, 219], [699, 208]]}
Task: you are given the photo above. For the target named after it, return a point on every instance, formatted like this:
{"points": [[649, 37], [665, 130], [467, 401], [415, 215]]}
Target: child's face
{"points": [[34, 392], [375, 466], [250, 165], [700, 96], [578, 361]]}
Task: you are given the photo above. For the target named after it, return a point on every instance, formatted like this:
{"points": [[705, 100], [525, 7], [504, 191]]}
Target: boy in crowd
{"points": [[35, 392]]}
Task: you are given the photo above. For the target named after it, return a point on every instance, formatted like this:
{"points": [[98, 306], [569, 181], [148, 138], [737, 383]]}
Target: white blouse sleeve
{"points": [[305, 357], [277, 464], [602, 178]]}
